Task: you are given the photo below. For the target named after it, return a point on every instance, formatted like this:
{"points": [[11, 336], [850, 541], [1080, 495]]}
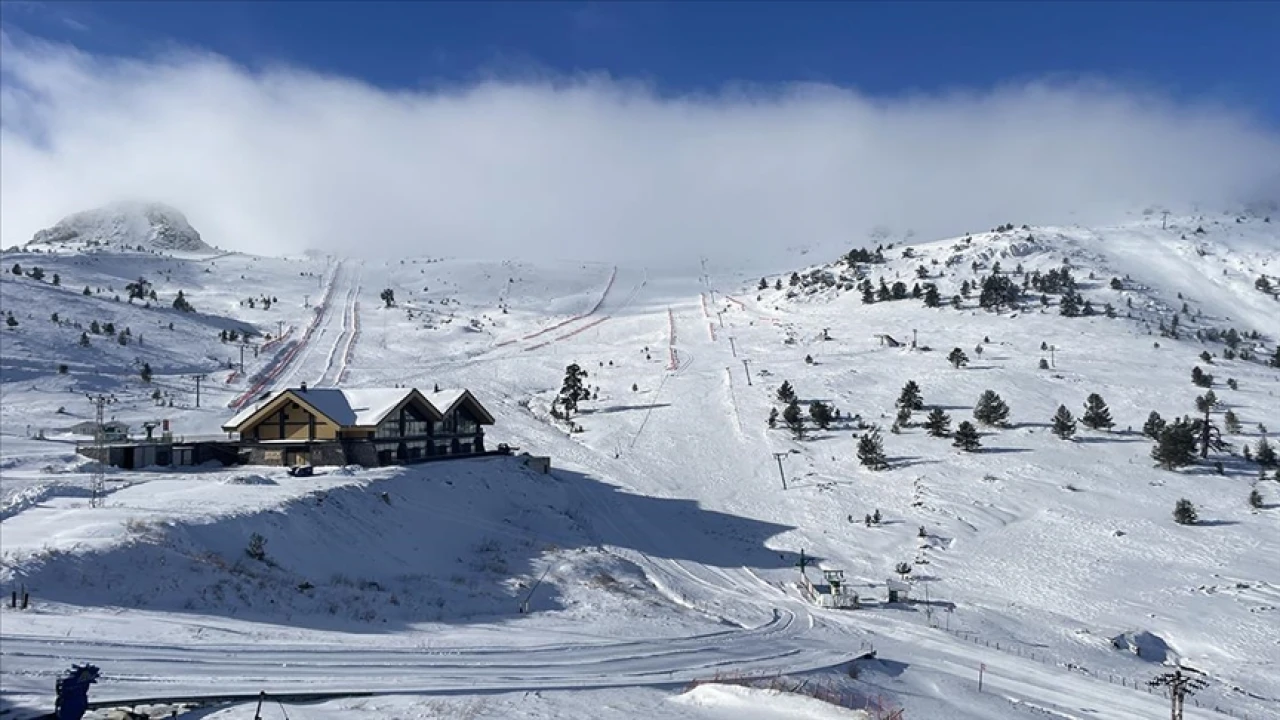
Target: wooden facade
{"points": [[365, 427]]}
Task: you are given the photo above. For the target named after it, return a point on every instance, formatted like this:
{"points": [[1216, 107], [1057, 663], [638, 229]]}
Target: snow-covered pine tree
{"points": [[1064, 424], [1231, 422], [1255, 499], [938, 424], [786, 393], [871, 450], [991, 409], [773, 418], [910, 397], [966, 437], [145, 373], [1096, 413], [957, 358]]}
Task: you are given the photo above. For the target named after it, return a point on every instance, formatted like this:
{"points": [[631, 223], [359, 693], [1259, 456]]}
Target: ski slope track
{"points": [[662, 546]]}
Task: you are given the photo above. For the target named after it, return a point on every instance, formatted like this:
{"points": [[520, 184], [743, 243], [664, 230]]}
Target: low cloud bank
{"points": [[589, 167]]}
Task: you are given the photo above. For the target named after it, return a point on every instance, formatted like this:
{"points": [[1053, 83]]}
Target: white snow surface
{"points": [[662, 548]]}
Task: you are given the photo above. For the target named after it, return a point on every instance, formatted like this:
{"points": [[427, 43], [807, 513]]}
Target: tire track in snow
{"points": [[336, 364]]}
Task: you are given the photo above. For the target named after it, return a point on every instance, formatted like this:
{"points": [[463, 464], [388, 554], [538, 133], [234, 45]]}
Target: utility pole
{"points": [[98, 481], [242, 347], [732, 347], [199, 378], [913, 337], [778, 456], [1180, 686], [1164, 221], [306, 301], [279, 328], [747, 370], [1053, 363]]}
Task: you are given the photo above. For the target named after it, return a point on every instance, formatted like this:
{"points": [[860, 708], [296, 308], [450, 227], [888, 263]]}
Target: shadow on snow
{"points": [[454, 542]]}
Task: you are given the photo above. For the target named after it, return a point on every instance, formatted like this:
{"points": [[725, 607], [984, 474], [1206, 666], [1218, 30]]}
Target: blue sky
{"points": [[1219, 50]]}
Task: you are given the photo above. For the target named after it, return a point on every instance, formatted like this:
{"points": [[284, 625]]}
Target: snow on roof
{"points": [[354, 407], [444, 399], [360, 407]]}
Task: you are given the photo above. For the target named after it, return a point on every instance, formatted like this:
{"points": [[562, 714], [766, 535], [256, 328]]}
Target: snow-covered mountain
{"points": [[125, 226], [664, 541]]}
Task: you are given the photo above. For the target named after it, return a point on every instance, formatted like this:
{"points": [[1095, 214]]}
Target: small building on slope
{"points": [[363, 426]]}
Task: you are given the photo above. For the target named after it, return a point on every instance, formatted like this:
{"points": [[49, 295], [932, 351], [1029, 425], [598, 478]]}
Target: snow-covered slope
{"points": [[125, 226], [664, 540]]}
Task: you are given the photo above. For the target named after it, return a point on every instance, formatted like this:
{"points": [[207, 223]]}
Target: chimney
{"points": [[304, 387]]}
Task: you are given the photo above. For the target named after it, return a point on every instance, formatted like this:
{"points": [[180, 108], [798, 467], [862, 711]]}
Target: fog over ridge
{"points": [[591, 167]]}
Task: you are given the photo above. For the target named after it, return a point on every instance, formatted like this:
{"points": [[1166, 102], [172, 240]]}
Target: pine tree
{"points": [[821, 414], [17, 269], [1255, 499], [1184, 513], [1153, 426], [181, 303], [966, 437], [572, 391], [1176, 446], [388, 297], [991, 409], [868, 297], [910, 397], [1264, 455], [11, 321], [957, 358], [1070, 305], [786, 393], [84, 339], [932, 298], [95, 328], [1096, 413], [1231, 422], [1064, 424], [86, 291], [871, 450], [146, 372], [791, 416], [1200, 377], [57, 280], [773, 418], [938, 423]]}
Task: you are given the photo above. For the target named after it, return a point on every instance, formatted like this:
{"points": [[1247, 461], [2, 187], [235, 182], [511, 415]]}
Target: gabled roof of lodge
{"points": [[359, 407]]}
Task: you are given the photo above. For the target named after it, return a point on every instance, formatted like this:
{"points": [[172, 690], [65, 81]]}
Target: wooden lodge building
{"points": [[374, 426]]}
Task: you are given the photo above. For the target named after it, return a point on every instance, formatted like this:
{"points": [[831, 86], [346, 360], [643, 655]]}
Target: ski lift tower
{"points": [[98, 480]]}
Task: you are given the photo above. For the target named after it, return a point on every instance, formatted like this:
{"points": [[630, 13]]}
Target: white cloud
{"points": [[588, 167]]}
